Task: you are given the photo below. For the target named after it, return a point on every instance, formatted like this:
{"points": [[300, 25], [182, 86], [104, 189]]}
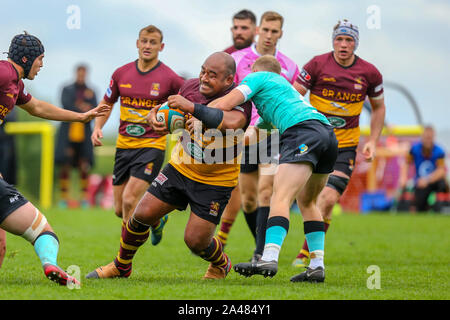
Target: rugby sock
{"points": [[214, 254], [224, 231], [261, 223], [123, 227], [277, 229], [84, 175], [46, 247], [133, 236], [315, 236], [64, 183], [304, 253], [250, 218]]}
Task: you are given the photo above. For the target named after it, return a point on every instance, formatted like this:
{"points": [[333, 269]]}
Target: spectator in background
{"points": [[74, 147], [243, 30], [429, 162]]}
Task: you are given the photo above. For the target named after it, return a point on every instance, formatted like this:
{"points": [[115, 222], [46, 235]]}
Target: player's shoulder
{"points": [[318, 62], [124, 68], [284, 58], [190, 85], [322, 58], [369, 67], [127, 66], [241, 54], [7, 72], [165, 68], [5, 65], [230, 49]]}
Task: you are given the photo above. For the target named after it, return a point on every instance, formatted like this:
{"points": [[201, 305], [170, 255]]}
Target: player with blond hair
{"points": [[339, 82], [141, 85]]}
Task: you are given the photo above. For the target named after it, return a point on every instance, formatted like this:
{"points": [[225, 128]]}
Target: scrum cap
{"points": [[346, 28], [24, 49]]}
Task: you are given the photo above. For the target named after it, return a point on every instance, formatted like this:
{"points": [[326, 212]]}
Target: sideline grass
{"points": [[412, 253]]}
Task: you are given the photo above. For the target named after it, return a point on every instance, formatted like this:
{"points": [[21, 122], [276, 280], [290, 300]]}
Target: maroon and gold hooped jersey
{"points": [[339, 92], [140, 92], [12, 89], [225, 171]]}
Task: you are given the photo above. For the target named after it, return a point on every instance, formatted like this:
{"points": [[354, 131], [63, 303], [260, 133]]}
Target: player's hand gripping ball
{"points": [[173, 118]]}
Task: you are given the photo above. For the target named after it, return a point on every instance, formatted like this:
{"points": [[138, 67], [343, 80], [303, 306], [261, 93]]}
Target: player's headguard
{"points": [[24, 49], [346, 28]]}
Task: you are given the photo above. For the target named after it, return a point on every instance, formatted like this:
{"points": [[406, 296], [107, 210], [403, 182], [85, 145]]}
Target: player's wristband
{"points": [[211, 117]]}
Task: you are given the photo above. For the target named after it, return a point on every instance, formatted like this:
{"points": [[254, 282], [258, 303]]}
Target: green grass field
{"points": [[412, 253]]}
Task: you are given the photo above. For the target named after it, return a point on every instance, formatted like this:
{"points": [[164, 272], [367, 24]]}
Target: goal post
{"points": [[47, 135]]}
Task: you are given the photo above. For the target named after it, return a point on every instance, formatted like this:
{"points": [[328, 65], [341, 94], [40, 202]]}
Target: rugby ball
{"points": [[173, 118]]}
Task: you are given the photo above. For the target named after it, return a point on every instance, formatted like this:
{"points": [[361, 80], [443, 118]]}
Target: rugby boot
{"points": [[255, 258], [264, 268], [109, 271], [157, 232], [310, 275], [215, 272], [58, 275]]}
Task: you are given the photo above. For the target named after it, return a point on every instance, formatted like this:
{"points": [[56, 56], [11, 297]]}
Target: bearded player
{"points": [[17, 215], [141, 85], [339, 82], [202, 172], [243, 31]]}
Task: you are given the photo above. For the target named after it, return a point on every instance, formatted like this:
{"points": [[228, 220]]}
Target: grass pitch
{"points": [[412, 253]]}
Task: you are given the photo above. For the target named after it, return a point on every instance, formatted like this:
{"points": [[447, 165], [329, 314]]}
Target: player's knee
{"points": [[118, 213], [264, 195], [129, 202], [327, 200], [38, 226], [249, 204], [193, 244], [337, 183], [249, 200]]}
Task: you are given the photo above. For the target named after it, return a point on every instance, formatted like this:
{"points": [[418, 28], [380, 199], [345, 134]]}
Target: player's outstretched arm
{"points": [[45, 110]]}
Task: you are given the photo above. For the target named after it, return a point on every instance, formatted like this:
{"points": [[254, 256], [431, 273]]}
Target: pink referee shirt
{"points": [[246, 57]]}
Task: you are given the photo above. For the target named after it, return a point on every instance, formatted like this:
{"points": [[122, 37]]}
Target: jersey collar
{"points": [[147, 72], [253, 47]]}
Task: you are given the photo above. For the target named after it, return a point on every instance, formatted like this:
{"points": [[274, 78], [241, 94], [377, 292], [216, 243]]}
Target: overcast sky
{"points": [[408, 41]]}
